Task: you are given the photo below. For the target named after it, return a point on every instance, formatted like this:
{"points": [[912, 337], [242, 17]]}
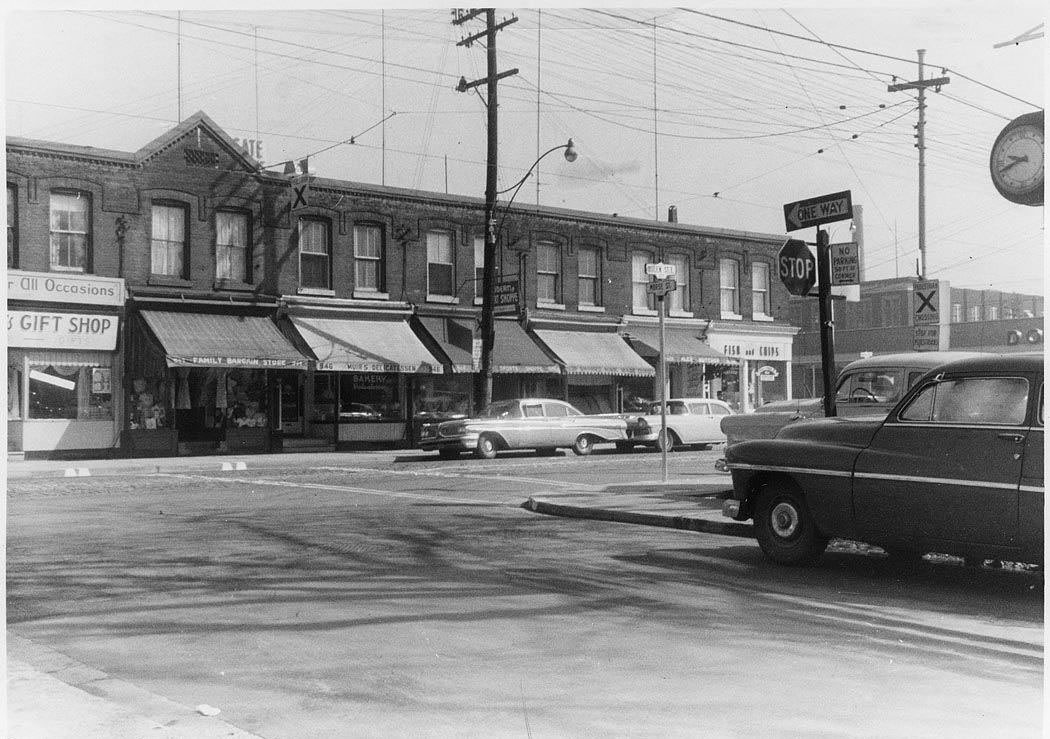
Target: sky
{"points": [[725, 111]]}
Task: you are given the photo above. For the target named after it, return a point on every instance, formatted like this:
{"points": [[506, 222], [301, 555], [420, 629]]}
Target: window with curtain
{"points": [[760, 289], [957, 313], [590, 276], [231, 247], [679, 299], [640, 299], [729, 286], [548, 273], [314, 254], [70, 392], [991, 312], [70, 231], [975, 313], [479, 265], [168, 241], [12, 234], [368, 258], [441, 267]]}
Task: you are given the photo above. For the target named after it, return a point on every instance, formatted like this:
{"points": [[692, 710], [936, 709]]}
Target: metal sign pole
{"points": [[663, 394], [827, 320]]}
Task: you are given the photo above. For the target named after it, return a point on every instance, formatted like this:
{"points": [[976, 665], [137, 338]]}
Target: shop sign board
{"points": [[505, 293], [925, 301], [56, 287], [33, 330], [927, 338], [767, 373], [746, 349], [845, 264]]}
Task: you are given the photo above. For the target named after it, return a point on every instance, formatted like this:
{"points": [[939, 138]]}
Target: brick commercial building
{"points": [[182, 299]]}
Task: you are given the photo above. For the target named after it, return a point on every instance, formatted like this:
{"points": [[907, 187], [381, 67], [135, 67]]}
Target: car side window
{"points": [[555, 409], [533, 410], [719, 410], [972, 400], [699, 409], [677, 408]]}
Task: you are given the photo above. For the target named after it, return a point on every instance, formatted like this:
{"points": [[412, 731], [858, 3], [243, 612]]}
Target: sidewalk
{"points": [[690, 507]]}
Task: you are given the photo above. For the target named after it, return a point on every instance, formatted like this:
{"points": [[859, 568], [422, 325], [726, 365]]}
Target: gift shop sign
{"points": [[33, 330], [54, 287]]}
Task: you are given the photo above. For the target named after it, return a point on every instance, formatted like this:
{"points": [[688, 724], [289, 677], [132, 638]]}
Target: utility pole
{"points": [[921, 85], [483, 382]]}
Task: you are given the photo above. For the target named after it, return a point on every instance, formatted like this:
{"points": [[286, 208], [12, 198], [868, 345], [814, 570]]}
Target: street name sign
{"points": [[798, 267], [660, 288], [845, 264], [817, 211], [660, 270], [925, 300]]}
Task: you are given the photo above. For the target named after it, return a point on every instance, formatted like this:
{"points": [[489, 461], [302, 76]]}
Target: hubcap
{"points": [[784, 518]]}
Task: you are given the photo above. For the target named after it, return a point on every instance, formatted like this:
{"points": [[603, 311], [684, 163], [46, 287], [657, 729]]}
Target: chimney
{"points": [[672, 214]]}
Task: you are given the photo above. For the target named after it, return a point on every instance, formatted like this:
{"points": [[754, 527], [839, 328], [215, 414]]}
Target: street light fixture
{"points": [[483, 389]]}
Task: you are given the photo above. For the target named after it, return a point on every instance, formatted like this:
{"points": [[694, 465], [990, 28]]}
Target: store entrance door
{"points": [[290, 418]]}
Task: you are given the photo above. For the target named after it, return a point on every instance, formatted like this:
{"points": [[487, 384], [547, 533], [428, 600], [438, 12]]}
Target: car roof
{"points": [[920, 360], [1013, 362], [692, 400]]}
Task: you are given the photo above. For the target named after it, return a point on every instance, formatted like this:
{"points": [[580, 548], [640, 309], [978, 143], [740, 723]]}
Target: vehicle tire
{"points": [[670, 438], [448, 453], [486, 448], [546, 451], [583, 445], [784, 526], [624, 447]]}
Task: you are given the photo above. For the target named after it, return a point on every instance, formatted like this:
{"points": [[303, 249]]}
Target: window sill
{"points": [[316, 291], [762, 317], [370, 295], [550, 306], [731, 316], [233, 286], [591, 308], [74, 270], [446, 299], [643, 311], [680, 314], [168, 281]]}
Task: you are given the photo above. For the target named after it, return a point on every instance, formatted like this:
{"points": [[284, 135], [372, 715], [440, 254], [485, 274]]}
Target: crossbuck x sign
{"points": [[925, 302]]}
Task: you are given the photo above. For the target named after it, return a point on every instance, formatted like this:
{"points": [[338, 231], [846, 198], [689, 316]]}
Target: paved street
{"points": [[394, 594]]}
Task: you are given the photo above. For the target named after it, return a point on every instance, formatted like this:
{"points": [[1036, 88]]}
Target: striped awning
{"points": [[513, 352], [680, 345], [591, 353], [222, 340], [357, 345]]}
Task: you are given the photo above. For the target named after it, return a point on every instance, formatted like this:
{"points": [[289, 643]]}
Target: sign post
{"points": [[816, 212], [662, 283]]}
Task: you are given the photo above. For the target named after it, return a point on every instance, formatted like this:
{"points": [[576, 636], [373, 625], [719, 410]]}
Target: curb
{"points": [[684, 523]]}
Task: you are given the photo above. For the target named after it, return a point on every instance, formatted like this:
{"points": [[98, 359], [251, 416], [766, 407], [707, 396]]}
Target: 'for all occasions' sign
{"points": [[54, 287]]}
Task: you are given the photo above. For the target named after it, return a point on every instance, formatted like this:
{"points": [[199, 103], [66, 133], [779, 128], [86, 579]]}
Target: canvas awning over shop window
{"points": [[356, 345], [220, 340], [590, 353], [680, 345], [512, 353]]}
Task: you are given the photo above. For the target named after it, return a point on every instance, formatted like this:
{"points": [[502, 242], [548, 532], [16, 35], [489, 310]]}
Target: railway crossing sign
{"points": [[925, 301], [798, 267]]}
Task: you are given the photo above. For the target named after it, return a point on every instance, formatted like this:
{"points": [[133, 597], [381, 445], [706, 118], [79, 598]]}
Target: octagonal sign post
{"points": [[798, 267]]}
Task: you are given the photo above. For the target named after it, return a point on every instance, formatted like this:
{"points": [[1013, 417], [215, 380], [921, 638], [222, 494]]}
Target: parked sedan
{"points": [[689, 421], [532, 423], [956, 467]]}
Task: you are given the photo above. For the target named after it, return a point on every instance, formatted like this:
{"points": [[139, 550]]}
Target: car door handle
{"points": [[1015, 438]]}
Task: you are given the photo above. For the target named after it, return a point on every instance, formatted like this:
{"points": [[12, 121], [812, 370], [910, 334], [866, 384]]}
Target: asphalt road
{"points": [[398, 595]]}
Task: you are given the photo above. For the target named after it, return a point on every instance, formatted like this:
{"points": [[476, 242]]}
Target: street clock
{"points": [[1017, 160]]}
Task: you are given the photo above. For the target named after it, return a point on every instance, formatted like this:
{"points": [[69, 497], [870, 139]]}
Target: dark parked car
{"points": [[956, 467]]}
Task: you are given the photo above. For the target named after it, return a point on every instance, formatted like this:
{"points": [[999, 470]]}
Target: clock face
{"points": [[1017, 161]]}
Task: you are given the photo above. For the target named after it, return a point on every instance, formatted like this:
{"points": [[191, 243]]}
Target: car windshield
{"points": [[884, 386], [503, 409]]}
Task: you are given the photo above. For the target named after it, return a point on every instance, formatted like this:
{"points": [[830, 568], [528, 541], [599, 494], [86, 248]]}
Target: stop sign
{"points": [[798, 267]]}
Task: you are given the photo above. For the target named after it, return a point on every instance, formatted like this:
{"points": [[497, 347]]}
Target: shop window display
{"points": [[149, 405], [70, 392], [369, 397], [245, 400], [442, 397]]}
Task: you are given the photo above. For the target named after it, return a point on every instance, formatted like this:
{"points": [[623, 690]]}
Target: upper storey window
{"points": [[168, 241], [231, 247], [314, 254], [70, 231]]}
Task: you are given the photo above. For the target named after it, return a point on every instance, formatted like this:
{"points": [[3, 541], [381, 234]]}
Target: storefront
{"points": [[63, 364], [600, 371], [692, 365], [200, 383], [365, 364], [764, 370]]}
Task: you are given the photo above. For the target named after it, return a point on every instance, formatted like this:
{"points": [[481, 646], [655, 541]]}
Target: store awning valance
{"points": [[590, 353], [680, 345], [512, 353], [222, 340], [355, 345]]}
